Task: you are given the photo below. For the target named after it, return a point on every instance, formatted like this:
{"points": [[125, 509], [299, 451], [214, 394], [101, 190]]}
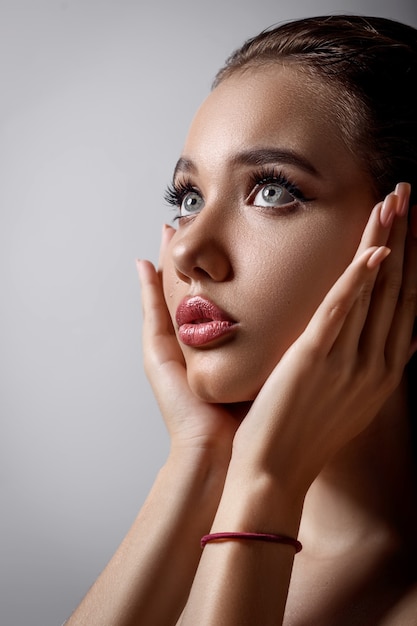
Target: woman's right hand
{"points": [[191, 422]]}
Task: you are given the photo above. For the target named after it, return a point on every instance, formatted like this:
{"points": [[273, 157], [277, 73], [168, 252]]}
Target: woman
{"points": [[279, 345]]}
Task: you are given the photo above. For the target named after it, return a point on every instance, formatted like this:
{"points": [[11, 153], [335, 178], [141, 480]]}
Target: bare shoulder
{"points": [[404, 613]]}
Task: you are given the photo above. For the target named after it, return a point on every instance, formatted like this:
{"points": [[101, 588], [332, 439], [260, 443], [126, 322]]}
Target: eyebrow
{"points": [[256, 156], [184, 165], [266, 156]]}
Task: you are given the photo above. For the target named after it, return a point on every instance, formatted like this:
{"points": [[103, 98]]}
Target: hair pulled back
{"points": [[370, 65]]}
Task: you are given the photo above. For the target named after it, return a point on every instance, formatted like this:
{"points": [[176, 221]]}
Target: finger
{"points": [[156, 318], [400, 336], [167, 234], [403, 191], [376, 232], [153, 303], [350, 334], [328, 322], [388, 284], [386, 293], [379, 229], [163, 359]]}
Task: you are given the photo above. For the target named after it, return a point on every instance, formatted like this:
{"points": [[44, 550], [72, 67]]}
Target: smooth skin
{"points": [[293, 424]]}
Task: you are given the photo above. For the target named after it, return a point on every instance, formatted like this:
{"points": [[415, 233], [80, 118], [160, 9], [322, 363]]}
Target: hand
{"points": [[191, 422], [332, 382]]}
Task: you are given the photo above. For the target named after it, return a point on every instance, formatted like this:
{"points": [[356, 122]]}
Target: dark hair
{"points": [[370, 64]]}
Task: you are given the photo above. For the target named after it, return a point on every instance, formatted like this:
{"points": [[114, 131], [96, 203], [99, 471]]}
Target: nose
{"points": [[201, 250]]}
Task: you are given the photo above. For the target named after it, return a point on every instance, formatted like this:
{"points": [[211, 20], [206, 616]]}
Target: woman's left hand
{"points": [[332, 382]]}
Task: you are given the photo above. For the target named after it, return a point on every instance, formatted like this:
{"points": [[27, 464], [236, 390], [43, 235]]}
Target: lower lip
{"points": [[205, 332]]}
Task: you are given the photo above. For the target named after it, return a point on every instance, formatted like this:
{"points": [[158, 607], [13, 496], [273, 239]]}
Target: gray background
{"points": [[96, 98]]}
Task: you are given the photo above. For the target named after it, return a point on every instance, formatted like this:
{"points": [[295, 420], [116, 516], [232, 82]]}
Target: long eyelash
{"points": [[175, 192], [265, 176]]}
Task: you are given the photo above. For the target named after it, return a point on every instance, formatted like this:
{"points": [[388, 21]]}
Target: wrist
{"points": [[258, 502], [290, 467], [196, 455], [201, 472]]}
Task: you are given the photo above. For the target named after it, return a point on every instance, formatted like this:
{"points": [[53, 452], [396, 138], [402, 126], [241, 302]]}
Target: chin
{"points": [[221, 390]]}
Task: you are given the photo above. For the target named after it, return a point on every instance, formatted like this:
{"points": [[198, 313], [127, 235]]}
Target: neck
{"points": [[369, 488]]}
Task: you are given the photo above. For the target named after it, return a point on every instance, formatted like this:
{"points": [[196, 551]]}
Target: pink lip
{"points": [[201, 321]]}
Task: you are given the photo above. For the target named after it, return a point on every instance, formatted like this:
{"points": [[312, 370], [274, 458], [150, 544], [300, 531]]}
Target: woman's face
{"points": [[273, 206]]}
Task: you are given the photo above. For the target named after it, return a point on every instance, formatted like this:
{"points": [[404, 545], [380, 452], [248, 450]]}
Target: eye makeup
{"points": [[187, 199]]}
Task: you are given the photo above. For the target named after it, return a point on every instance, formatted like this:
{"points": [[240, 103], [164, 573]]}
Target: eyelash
{"points": [[267, 176], [176, 191]]}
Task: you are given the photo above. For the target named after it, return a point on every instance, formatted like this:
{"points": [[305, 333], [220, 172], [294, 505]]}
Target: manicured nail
{"points": [[388, 210], [377, 257], [402, 190]]}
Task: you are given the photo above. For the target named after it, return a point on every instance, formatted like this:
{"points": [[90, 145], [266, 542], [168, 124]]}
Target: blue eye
{"points": [[185, 198], [191, 203], [272, 195]]}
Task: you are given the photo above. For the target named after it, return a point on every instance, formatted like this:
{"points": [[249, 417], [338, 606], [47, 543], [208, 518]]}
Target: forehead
{"points": [[269, 106]]}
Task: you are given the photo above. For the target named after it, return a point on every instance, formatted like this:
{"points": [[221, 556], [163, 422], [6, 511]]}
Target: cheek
{"points": [[306, 265], [305, 276], [276, 289], [274, 314], [283, 298]]}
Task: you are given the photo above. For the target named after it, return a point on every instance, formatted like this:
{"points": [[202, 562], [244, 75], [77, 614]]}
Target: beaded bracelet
{"points": [[253, 536]]}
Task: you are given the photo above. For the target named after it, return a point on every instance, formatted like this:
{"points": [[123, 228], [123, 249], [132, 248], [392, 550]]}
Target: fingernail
{"points": [[377, 257], [388, 210], [402, 190]]}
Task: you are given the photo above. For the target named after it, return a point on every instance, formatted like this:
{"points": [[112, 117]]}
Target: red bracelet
{"points": [[255, 536]]}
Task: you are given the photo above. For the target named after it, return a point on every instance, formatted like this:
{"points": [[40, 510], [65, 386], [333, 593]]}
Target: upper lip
{"points": [[196, 309]]}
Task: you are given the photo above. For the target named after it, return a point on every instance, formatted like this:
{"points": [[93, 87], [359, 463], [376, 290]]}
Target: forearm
{"points": [[148, 579], [245, 582]]}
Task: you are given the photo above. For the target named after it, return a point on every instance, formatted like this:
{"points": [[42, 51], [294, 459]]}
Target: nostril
{"points": [[199, 271], [200, 255]]}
